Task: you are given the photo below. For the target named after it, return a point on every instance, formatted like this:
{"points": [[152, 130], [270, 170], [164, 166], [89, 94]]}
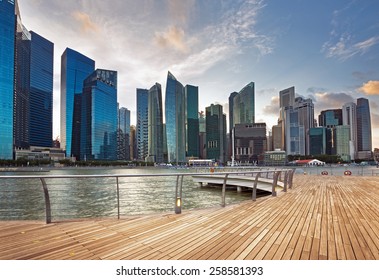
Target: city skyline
{"points": [[326, 50]]}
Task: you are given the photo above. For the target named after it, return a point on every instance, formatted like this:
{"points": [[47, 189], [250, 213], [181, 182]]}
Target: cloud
{"points": [[172, 38], [326, 100], [273, 107], [374, 120], [180, 10], [370, 88], [87, 25]]}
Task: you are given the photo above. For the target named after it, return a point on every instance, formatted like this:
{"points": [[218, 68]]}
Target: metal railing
{"points": [[109, 187]]}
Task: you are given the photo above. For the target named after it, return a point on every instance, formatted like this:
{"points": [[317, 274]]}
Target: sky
{"points": [[328, 50]]}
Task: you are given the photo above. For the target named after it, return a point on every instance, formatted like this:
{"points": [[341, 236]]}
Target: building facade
{"points": [[192, 121], [341, 135], [318, 140], [142, 134], [75, 68], [364, 134], [99, 116], [123, 134], [215, 133], [349, 117], [244, 105]]}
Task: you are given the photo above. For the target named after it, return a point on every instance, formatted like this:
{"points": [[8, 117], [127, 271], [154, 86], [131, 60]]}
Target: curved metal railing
{"points": [[109, 189]]}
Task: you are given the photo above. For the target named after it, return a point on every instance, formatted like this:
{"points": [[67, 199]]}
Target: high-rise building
{"points": [[192, 120], [250, 142], [99, 116], [123, 134], [244, 105], [341, 134], [175, 120], [75, 68], [133, 142], [364, 137], [286, 102], [7, 62], [41, 91], [276, 137], [215, 133], [330, 118], [202, 136], [142, 124], [155, 125], [317, 140], [349, 117]]}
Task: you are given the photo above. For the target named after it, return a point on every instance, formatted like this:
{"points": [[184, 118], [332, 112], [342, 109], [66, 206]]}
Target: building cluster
{"points": [[94, 127]]}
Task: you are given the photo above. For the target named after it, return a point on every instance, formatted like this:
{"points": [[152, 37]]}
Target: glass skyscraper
{"points": [[155, 125], [363, 125], [349, 117], [99, 116], [123, 134], [330, 118], [175, 120], [41, 91], [318, 140], [142, 123], [192, 121], [243, 105], [7, 61], [215, 133], [75, 68]]}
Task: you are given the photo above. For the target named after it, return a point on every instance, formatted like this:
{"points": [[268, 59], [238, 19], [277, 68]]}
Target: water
{"points": [[75, 198]]}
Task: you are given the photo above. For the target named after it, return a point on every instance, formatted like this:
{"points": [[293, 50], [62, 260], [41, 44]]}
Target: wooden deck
{"points": [[322, 217]]}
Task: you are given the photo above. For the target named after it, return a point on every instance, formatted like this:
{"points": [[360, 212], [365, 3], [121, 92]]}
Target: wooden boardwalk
{"points": [[322, 217]]}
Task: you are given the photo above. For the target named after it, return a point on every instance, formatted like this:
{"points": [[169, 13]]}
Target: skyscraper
{"points": [[349, 117], [41, 91], [317, 140], [330, 118], [123, 134], [250, 142], [155, 124], [99, 116], [244, 105], [192, 120], [175, 120], [215, 133], [142, 123], [75, 68], [7, 58], [286, 101], [364, 137]]}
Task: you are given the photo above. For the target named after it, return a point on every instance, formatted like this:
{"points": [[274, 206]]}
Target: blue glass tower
{"points": [[75, 68], [41, 91], [175, 120], [142, 123], [364, 125], [192, 121], [7, 60], [99, 116]]}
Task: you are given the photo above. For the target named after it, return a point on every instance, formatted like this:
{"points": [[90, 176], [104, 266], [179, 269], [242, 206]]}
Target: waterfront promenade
{"points": [[321, 217]]}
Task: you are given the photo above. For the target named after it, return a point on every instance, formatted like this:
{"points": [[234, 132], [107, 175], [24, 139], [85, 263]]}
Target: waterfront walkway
{"points": [[321, 217]]}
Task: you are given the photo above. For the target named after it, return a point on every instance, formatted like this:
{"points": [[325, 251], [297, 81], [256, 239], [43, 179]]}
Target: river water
{"points": [[73, 198]]}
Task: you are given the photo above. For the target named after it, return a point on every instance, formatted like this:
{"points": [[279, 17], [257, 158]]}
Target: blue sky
{"points": [[328, 50]]}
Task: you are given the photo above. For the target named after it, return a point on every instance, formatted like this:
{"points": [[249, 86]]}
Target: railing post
{"points": [[178, 195], [47, 200], [285, 180], [255, 187], [290, 178], [118, 199], [275, 181], [223, 203]]}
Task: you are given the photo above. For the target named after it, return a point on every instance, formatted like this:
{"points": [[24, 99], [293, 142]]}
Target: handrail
{"points": [[179, 183]]}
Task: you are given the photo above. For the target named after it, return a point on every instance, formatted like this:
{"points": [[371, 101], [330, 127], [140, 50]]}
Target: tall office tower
{"points": [[349, 117], [216, 133], [364, 125], [192, 120], [330, 118], [7, 61], [75, 68], [142, 124], [123, 134], [250, 142], [155, 125], [41, 91], [341, 135], [317, 140], [243, 105], [286, 102], [276, 137], [133, 142], [175, 120], [231, 123], [202, 136], [99, 116], [306, 116]]}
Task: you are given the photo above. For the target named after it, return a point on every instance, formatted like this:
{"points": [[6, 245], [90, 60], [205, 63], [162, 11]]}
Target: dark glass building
{"points": [[318, 140], [155, 124], [142, 140], [192, 120], [175, 120], [364, 137], [215, 133], [7, 61], [250, 143], [75, 68], [330, 118], [244, 105], [99, 116], [41, 91]]}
